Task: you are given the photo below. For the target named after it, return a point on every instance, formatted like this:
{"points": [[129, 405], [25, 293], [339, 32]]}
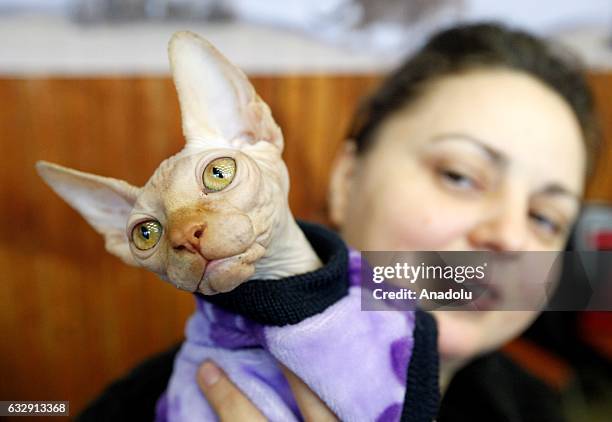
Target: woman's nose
{"points": [[187, 237], [504, 230]]}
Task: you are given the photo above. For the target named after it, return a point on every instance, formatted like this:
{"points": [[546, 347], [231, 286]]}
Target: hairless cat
{"points": [[214, 220]]}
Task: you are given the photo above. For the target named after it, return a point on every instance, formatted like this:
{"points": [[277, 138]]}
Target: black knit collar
{"points": [[293, 299]]}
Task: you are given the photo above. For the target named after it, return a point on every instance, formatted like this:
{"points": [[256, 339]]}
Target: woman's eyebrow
{"points": [[558, 189], [495, 156]]}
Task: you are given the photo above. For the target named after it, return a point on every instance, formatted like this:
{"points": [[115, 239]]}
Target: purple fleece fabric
{"points": [[355, 361]]}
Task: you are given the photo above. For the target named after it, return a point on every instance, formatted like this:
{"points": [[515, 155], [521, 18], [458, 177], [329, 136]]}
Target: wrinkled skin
{"points": [[211, 240]]}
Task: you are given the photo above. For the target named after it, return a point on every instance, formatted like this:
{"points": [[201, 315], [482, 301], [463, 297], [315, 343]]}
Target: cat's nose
{"points": [[187, 237]]}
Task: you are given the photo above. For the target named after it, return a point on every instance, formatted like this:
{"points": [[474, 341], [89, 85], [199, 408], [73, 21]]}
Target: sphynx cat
{"points": [[214, 220]]}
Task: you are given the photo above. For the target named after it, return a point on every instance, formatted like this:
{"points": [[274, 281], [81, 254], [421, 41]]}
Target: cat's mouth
{"points": [[199, 287], [212, 276], [225, 274], [204, 285]]}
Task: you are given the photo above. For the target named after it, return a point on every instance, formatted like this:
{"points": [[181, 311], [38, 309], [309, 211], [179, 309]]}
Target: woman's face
{"points": [[486, 160]]}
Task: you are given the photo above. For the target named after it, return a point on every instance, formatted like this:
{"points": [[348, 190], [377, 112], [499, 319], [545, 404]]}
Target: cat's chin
{"points": [[224, 275]]}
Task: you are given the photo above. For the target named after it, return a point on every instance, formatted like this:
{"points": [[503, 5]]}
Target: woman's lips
{"points": [[486, 296]]}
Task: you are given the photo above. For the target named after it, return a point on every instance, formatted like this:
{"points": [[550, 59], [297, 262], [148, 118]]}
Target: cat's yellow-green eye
{"points": [[219, 173], [145, 235]]}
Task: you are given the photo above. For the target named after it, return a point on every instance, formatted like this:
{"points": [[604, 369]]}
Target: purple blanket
{"points": [[362, 364]]}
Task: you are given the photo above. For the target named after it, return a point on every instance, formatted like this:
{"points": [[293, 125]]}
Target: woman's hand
{"points": [[230, 404]]}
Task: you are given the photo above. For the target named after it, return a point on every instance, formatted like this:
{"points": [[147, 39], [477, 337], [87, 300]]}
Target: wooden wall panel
{"points": [[74, 318], [600, 187]]}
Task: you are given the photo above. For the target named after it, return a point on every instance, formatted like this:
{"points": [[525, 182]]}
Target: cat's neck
{"points": [[288, 254]]}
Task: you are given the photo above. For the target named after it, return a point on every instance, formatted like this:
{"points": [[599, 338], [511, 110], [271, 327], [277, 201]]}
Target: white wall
{"points": [[543, 16]]}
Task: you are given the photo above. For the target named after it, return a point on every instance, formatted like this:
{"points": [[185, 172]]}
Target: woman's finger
{"points": [[226, 400], [311, 406]]}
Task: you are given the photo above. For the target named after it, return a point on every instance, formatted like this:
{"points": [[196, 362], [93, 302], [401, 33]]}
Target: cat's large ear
{"points": [[219, 106], [104, 202]]}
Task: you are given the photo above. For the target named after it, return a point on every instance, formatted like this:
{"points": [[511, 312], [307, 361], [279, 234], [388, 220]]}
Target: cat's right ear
{"points": [[104, 202], [219, 106]]}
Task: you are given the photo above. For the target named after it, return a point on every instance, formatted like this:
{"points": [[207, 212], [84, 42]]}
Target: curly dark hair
{"points": [[477, 46]]}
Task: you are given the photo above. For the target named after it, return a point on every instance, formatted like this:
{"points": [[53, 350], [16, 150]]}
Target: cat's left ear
{"points": [[219, 106], [104, 202]]}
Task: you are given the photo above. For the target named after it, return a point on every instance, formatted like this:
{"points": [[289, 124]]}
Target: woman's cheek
{"points": [[422, 219]]}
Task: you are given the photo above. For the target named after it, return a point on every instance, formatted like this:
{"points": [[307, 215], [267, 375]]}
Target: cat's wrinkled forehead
{"points": [[171, 182]]}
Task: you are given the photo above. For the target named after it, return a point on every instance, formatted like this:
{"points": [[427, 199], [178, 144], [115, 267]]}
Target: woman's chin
{"points": [[460, 334], [464, 335]]}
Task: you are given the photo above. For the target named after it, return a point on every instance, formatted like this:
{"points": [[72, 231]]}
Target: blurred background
{"points": [[85, 83]]}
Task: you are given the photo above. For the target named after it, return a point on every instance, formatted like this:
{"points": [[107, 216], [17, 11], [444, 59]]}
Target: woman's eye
{"points": [[218, 174], [458, 179], [545, 223], [145, 235]]}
